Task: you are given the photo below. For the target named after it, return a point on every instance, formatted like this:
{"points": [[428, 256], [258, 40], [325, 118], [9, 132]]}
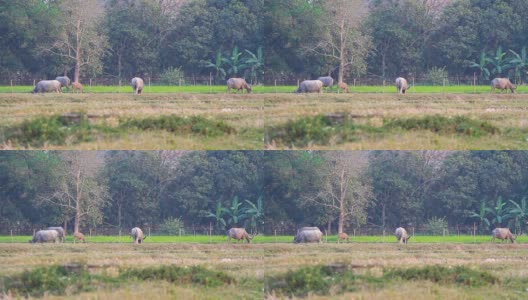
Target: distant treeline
{"points": [[264, 191], [281, 39]]}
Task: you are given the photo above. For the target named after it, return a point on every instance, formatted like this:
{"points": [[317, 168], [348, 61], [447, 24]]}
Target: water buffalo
{"points": [[502, 234], [238, 234], [46, 236], [401, 235], [343, 86], [327, 81], [137, 84], [310, 86], [45, 86], [502, 84], [309, 235], [239, 84], [65, 81], [342, 237], [60, 231], [77, 236], [137, 235], [77, 87], [401, 85]]}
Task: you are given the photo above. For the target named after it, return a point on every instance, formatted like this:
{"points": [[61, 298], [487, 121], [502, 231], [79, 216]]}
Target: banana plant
{"points": [[217, 66], [481, 65], [519, 213], [217, 215], [499, 213], [255, 63], [500, 65], [520, 61], [235, 213], [482, 215], [255, 213], [236, 65]]}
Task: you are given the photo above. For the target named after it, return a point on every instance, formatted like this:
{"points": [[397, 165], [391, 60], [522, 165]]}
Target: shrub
{"points": [[436, 76], [173, 123], [444, 275], [441, 124], [436, 226], [172, 226], [172, 76], [180, 275]]}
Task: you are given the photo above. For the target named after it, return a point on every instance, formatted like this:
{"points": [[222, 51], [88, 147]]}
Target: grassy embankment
{"points": [[215, 271]]}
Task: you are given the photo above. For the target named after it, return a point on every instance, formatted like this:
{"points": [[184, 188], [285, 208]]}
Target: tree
{"points": [[500, 65], [519, 212], [80, 193], [255, 212], [499, 213], [217, 66], [482, 215], [345, 192], [520, 62], [217, 215], [235, 64], [481, 65], [82, 41], [255, 63], [343, 42]]}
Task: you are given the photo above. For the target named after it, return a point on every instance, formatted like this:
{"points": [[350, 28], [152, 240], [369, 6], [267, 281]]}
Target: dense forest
{"points": [[263, 190], [263, 40]]}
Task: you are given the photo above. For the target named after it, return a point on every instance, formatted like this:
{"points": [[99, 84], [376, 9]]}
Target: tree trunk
{"points": [[78, 53], [342, 199], [329, 230], [341, 53], [78, 201]]}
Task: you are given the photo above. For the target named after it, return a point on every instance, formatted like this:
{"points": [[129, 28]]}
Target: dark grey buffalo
{"points": [[238, 84], [310, 86], [502, 234], [138, 85], [401, 235], [401, 85], [137, 235], [46, 236], [46, 86], [60, 231], [327, 81], [308, 235], [238, 234], [502, 84], [65, 81]]}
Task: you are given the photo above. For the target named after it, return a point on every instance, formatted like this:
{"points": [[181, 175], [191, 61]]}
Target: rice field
{"points": [[373, 267]]}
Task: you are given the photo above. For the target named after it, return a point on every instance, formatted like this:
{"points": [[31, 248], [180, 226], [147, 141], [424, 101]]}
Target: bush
{"points": [[180, 275], [436, 226], [173, 123], [441, 124], [444, 275], [172, 76], [172, 226], [436, 76]]}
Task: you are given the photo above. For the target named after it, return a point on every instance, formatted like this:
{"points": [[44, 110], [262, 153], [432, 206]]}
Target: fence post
{"points": [[383, 85], [443, 89], [210, 232], [11, 235], [414, 85], [11, 86], [150, 90], [354, 82], [275, 86], [119, 85], [298, 83], [34, 82], [211, 82], [326, 235], [179, 84], [474, 82], [149, 231], [275, 235]]}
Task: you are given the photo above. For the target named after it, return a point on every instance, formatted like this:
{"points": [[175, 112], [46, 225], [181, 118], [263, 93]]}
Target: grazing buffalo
{"points": [[309, 235], [502, 234], [401, 235], [60, 231], [342, 237], [401, 85], [65, 81], [343, 86], [327, 81], [138, 85], [310, 86], [502, 84], [239, 84], [46, 236], [46, 86], [238, 234], [137, 235], [77, 236], [77, 87]]}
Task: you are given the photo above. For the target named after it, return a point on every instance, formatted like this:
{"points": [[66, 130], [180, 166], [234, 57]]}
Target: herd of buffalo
{"points": [[239, 84], [304, 235]]}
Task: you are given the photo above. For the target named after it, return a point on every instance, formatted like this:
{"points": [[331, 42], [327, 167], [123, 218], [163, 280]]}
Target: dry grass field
{"points": [[260, 271], [256, 121]]}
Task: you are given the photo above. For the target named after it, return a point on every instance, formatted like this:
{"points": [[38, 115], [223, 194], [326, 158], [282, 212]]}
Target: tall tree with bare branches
{"points": [[83, 41], [80, 193], [345, 190], [344, 43]]}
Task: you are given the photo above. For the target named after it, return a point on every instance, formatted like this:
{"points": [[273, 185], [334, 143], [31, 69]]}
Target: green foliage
{"points": [[179, 275], [519, 213], [445, 125], [172, 226], [217, 66], [481, 215], [436, 226], [181, 125], [460, 275], [484, 72], [172, 76], [437, 76], [217, 215], [499, 213], [319, 280]]}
